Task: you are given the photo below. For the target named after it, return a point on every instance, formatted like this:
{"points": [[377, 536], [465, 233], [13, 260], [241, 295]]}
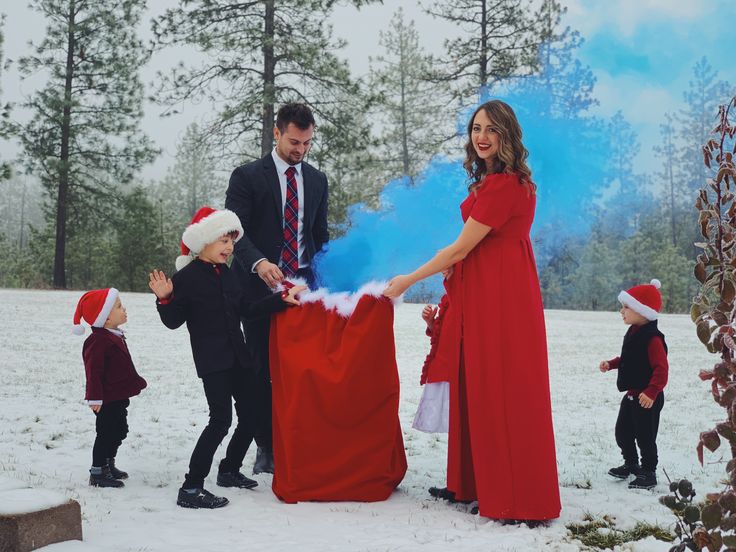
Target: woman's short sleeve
{"points": [[496, 200]]}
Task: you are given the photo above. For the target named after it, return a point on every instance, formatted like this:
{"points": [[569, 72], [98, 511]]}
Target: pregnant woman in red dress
{"points": [[501, 449]]}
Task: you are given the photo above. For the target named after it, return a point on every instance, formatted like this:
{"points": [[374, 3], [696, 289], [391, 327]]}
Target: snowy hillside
{"points": [[46, 434]]}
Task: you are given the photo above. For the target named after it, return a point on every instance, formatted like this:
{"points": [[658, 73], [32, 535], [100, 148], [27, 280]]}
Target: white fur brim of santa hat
{"points": [[343, 303], [628, 300], [207, 230], [86, 309]]}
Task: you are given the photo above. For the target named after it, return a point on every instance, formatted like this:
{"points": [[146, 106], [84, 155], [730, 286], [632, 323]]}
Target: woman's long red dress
{"points": [[501, 444]]}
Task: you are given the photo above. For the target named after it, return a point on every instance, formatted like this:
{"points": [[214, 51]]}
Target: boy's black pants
{"points": [[637, 425], [112, 428], [221, 388]]}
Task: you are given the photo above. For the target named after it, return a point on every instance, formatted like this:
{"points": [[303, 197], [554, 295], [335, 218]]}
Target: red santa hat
{"points": [[206, 227], [94, 306], [644, 299]]}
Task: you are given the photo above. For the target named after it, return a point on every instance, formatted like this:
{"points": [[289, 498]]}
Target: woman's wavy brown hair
{"points": [[512, 154]]}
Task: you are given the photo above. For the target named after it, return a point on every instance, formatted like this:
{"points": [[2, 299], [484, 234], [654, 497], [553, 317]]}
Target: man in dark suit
{"points": [[282, 204]]}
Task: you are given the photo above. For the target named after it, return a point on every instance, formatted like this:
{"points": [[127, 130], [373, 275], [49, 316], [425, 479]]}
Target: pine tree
{"points": [[189, 184], [4, 111], [415, 123], [83, 139], [258, 55], [499, 39], [137, 249], [670, 178]]}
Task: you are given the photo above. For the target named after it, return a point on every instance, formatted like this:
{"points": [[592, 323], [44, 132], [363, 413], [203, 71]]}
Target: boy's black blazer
{"points": [[212, 306]]}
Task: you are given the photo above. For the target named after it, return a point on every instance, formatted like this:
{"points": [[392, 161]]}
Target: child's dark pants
{"points": [[220, 389], [637, 425], [112, 428]]}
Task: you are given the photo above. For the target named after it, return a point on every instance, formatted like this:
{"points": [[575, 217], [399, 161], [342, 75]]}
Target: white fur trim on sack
{"points": [[343, 303], [112, 296], [211, 227], [647, 312]]}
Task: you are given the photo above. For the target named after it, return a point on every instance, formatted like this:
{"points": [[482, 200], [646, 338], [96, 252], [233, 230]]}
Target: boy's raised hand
{"points": [[160, 284], [604, 366], [290, 297]]}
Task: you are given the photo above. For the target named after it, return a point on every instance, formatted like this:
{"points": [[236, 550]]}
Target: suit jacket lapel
{"points": [[309, 191], [272, 178]]}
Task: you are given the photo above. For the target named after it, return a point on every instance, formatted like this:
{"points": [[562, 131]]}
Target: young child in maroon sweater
{"points": [[111, 380], [642, 374]]}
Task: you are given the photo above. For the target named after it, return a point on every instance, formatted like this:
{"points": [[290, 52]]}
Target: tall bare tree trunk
{"points": [[483, 73], [61, 202], [269, 80]]}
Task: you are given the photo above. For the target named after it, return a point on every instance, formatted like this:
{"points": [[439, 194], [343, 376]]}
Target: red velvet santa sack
{"points": [[336, 431]]}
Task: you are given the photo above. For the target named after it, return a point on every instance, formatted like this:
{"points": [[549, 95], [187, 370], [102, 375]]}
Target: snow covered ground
{"points": [[46, 434]]}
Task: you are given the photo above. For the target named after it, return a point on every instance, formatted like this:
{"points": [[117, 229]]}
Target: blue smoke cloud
{"points": [[568, 160]]}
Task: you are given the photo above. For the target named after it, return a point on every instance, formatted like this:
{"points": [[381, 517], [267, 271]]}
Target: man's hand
{"points": [[269, 273], [447, 273], [645, 401], [95, 407], [604, 366], [160, 284]]}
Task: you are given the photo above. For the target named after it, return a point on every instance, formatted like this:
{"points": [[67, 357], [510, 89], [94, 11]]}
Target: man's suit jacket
{"points": [[254, 194]]}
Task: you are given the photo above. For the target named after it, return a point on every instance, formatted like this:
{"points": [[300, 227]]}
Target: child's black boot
{"points": [[200, 498], [644, 480], [116, 473], [624, 471], [235, 479], [101, 477]]}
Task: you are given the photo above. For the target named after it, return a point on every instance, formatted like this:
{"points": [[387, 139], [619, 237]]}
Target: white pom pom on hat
{"points": [[656, 283], [94, 307], [207, 226]]}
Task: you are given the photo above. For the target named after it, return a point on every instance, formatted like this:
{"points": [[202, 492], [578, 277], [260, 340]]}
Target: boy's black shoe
{"points": [[644, 480], [264, 461], [624, 471], [104, 479], [200, 498], [235, 479], [116, 473], [442, 492]]}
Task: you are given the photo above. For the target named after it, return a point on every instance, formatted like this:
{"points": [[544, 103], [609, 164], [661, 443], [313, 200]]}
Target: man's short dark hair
{"points": [[297, 113]]}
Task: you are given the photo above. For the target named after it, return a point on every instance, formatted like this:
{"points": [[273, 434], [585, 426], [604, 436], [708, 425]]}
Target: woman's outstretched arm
{"points": [[471, 234]]}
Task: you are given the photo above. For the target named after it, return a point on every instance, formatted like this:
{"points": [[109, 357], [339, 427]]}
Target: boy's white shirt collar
{"points": [[282, 165]]}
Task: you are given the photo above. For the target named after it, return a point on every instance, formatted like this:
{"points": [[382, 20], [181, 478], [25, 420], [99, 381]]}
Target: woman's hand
{"points": [[290, 296], [397, 286], [160, 284], [447, 273]]}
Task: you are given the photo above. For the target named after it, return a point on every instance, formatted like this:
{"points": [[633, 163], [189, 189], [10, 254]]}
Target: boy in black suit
{"points": [[111, 380], [207, 296], [281, 201]]}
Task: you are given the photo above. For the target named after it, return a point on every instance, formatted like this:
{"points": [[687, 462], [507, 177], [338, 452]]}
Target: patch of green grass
{"points": [[602, 533]]}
